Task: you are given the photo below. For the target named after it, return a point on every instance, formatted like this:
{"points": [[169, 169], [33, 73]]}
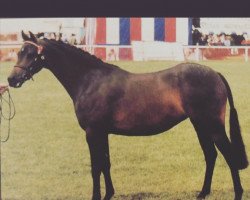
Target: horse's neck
{"points": [[68, 78], [66, 71], [71, 74]]}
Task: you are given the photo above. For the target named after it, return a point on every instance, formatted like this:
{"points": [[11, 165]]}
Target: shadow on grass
{"points": [[151, 196], [181, 195], [215, 195], [139, 196]]}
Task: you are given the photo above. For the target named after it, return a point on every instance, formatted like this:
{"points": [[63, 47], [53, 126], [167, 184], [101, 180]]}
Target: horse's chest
{"points": [[91, 111]]}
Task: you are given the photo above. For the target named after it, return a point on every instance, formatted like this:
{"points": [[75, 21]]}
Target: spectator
{"points": [[210, 39], [64, 38], [222, 38], [52, 36], [12, 55], [46, 35], [58, 36], [236, 39], [215, 40], [72, 39], [227, 41], [196, 36], [112, 55], [246, 40], [203, 40]]}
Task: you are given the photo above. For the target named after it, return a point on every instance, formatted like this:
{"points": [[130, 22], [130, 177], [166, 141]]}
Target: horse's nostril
{"points": [[11, 81]]}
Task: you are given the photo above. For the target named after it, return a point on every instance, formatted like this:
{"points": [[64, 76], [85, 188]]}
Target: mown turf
{"points": [[47, 157]]}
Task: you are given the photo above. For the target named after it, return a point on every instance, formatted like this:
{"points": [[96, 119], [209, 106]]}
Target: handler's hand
{"points": [[3, 88]]}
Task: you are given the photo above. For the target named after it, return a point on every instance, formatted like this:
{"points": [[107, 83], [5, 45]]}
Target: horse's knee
{"points": [[95, 171], [211, 156], [106, 163]]}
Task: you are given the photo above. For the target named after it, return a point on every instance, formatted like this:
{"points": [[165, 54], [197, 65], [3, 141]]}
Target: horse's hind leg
{"points": [[223, 144], [214, 132], [210, 154]]}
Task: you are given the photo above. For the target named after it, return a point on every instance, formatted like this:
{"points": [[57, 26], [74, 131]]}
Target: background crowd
{"points": [[221, 39], [198, 37], [72, 39]]}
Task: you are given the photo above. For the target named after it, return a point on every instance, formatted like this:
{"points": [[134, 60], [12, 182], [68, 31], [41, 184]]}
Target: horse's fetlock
{"points": [[203, 194], [109, 194]]}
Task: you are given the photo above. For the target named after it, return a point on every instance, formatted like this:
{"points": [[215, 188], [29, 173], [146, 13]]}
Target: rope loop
{"points": [[12, 111]]}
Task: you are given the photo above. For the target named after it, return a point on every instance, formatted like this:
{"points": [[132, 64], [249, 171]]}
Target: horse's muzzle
{"points": [[14, 82]]}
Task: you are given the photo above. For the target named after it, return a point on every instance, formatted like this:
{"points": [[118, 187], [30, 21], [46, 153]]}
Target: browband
{"points": [[39, 47]]}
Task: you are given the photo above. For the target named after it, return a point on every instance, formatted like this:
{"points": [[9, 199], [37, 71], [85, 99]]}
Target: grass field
{"points": [[47, 156]]}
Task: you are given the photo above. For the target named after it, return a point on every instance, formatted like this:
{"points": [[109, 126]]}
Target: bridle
{"points": [[39, 57]]}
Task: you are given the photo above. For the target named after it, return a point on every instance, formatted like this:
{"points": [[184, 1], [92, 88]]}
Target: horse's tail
{"points": [[235, 132]]}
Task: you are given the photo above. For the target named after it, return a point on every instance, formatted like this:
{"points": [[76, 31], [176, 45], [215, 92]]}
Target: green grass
{"points": [[47, 156]]}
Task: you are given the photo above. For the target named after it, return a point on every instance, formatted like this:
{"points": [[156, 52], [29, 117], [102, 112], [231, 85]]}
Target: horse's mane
{"points": [[77, 54], [72, 51]]}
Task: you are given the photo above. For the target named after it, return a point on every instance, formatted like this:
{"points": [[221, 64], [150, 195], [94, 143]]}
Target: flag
{"points": [[123, 31]]}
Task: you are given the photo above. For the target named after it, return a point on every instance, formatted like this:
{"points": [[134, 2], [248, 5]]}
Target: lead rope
{"points": [[12, 112], [10, 103]]}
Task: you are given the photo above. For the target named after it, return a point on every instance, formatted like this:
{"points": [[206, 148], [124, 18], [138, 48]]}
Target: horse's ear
{"points": [[24, 36], [33, 37]]}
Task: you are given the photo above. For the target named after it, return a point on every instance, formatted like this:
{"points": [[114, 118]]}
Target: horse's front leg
{"points": [[100, 162]]}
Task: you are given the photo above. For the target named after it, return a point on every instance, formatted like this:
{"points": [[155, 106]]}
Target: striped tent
{"points": [[123, 31]]}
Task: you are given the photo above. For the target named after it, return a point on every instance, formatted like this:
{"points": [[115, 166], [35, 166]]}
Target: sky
{"points": [[227, 25], [15, 25], [215, 25]]}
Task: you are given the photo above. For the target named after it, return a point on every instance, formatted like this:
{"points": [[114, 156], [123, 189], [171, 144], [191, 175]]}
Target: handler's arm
{"points": [[3, 88]]}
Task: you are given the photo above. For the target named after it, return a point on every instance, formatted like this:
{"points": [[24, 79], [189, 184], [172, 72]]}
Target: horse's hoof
{"points": [[108, 196], [202, 195]]}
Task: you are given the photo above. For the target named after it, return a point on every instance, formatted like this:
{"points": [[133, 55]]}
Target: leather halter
{"points": [[39, 51]]}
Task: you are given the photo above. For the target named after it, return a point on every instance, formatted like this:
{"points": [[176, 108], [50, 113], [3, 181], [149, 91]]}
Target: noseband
{"points": [[40, 56]]}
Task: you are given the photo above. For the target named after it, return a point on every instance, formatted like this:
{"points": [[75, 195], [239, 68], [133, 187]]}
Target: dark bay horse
{"points": [[108, 99]]}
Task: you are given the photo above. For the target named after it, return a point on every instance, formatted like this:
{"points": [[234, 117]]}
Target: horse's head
{"points": [[30, 61]]}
